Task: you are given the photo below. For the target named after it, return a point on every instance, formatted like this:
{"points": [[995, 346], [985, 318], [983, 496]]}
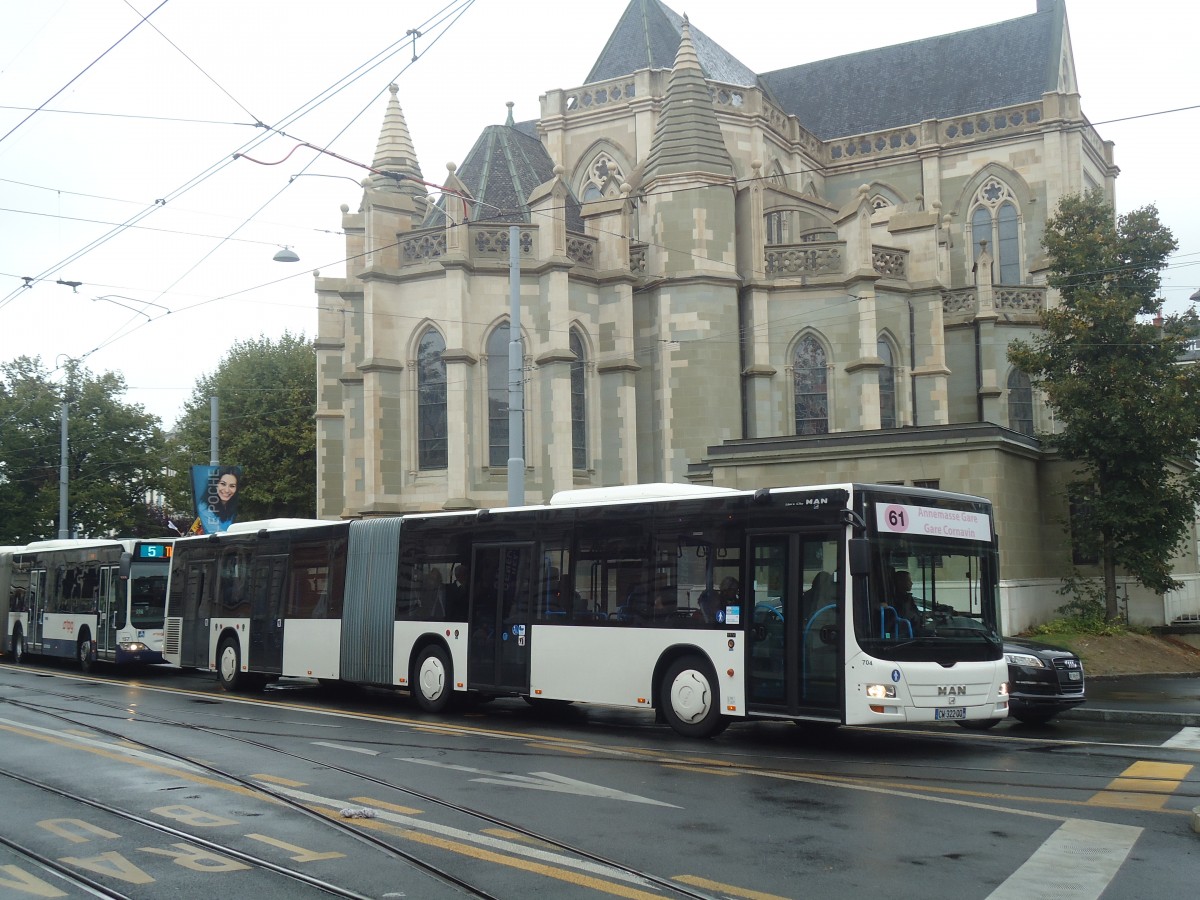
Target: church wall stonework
{"points": [[694, 248]]}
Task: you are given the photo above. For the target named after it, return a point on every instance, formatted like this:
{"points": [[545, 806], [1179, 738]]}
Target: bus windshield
{"points": [[147, 594], [930, 600]]}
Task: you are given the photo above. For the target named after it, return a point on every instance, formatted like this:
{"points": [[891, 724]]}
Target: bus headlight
{"points": [[881, 691], [133, 646]]}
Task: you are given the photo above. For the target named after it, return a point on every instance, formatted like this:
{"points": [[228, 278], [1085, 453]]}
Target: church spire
{"points": [[688, 138], [395, 152]]}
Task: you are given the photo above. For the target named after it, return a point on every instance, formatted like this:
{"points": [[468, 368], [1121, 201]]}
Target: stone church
{"points": [[727, 277]]}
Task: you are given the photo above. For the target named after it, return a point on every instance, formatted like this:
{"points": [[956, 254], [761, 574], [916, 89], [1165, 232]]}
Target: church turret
{"points": [[395, 153], [688, 138]]}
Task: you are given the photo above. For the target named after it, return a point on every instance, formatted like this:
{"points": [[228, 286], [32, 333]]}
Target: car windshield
{"points": [[929, 600]]}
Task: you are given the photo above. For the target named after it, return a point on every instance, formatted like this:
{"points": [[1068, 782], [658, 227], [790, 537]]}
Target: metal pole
{"points": [[63, 528], [516, 388], [912, 359], [212, 431]]}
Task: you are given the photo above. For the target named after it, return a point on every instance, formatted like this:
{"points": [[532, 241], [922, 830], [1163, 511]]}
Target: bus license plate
{"points": [[951, 712]]}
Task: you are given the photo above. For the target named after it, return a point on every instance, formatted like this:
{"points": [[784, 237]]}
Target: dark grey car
{"points": [[1043, 680]]}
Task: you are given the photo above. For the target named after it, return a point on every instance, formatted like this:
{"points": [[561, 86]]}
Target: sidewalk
{"points": [[1157, 699]]}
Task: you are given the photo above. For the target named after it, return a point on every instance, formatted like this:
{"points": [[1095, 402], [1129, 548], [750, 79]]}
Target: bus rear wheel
{"points": [[229, 667], [690, 701], [432, 686], [85, 653], [18, 646]]}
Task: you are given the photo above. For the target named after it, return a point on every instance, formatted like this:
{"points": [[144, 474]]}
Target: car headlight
{"points": [[1024, 659]]}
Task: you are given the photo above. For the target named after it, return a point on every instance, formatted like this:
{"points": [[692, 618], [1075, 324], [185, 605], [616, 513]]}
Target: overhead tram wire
{"points": [[224, 160], [144, 19]]}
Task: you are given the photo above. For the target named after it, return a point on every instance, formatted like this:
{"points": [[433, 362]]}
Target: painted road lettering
{"points": [[17, 879]]}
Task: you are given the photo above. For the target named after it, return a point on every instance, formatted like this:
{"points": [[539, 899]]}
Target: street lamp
{"points": [[287, 254]]}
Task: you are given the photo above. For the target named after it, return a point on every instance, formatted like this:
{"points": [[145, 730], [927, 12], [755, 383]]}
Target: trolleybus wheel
{"points": [[432, 685], [689, 699], [18, 646], [229, 666], [83, 652]]}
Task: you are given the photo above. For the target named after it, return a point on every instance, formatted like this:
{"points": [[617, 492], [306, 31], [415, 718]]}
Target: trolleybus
{"points": [[101, 599], [707, 605]]}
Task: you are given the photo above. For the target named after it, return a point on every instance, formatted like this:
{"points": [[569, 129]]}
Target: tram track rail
{"points": [[167, 830], [670, 887], [920, 776]]}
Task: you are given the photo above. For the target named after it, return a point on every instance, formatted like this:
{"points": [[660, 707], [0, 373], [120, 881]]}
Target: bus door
{"points": [[266, 613], [793, 638], [501, 610], [110, 613], [37, 608], [196, 610]]}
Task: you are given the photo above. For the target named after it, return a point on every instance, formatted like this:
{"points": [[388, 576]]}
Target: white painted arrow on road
{"points": [[544, 781]]}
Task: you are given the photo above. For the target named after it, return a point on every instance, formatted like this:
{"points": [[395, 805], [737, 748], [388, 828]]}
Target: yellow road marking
{"points": [[121, 757], [731, 890], [706, 770], [561, 748], [390, 807], [479, 853], [1144, 785], [275, 779]]}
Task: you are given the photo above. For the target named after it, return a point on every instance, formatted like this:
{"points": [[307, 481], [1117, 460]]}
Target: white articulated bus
{"points": [[90, 600], [707, 605]]}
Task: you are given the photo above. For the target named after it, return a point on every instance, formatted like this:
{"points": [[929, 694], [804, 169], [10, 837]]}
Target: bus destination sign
{"points": [[929, 521]]}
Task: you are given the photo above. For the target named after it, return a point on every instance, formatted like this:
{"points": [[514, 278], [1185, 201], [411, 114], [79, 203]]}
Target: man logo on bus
{"points": [[952, 690]]}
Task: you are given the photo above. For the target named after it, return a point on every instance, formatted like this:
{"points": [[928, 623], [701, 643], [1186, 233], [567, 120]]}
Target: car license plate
{"points": [[951, 712]]}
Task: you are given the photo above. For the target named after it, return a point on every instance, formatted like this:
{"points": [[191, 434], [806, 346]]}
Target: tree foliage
{"points": [[116, 455], [1130, 411], [266, 399]]}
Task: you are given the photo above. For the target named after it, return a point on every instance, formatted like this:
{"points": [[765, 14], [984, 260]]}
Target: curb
{"points": [[1130, 716]]}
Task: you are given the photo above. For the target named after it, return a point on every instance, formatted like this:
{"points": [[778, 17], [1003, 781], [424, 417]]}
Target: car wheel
{"points": [[979, 724], [432, 684], [689, 699], [1032, 718]]}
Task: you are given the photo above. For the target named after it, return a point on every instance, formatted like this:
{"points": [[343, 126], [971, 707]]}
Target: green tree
{"points": [[1130, 412], [115, 459], [267, 401]]}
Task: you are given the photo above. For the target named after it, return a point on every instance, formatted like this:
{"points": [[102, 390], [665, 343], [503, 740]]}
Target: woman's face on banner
{"points": [[227, 487]]}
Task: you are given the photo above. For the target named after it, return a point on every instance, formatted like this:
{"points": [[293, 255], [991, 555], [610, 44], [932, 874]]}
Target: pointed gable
{"points": [[647, 37], [998, 65]]}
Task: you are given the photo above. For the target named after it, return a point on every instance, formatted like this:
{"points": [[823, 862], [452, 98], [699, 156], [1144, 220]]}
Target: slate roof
{"points": [[647, 37], [1007, 63], [501, 171]]}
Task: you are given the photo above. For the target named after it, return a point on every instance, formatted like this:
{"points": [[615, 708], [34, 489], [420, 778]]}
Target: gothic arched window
{"points": [[497, 398], [431, 401], [994, 219], [811, 382], [887, 385], [1020, 402], [578, 402]]}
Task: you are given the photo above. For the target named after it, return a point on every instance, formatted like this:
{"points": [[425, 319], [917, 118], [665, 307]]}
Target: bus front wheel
{"points": [[85, 653], [432, 684], [18, 646], [229, 666], [690, 701]]}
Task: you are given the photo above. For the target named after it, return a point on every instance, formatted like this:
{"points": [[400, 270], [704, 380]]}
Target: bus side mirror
{"points": [[126, 562], [860, 556]]}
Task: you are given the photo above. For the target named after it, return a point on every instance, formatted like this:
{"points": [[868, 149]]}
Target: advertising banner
{"points": [[215, 490]]}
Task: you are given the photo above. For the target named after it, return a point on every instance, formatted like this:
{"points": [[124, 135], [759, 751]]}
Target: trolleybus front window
{"points": [[929, 600], [147, 595]]}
